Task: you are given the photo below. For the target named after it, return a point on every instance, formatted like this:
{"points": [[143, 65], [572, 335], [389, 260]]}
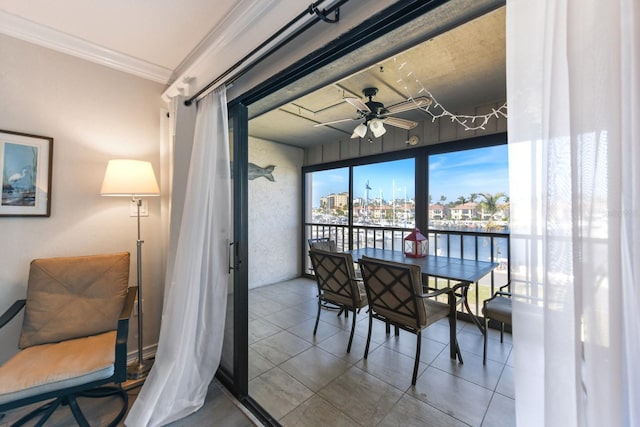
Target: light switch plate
{"points": [[144, 208]]}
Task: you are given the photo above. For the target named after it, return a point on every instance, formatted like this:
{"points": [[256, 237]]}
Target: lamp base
{"points": [[139, 369]]}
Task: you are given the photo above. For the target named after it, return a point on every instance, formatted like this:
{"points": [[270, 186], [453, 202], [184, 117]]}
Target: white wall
{"points": [[274, 214], [94, 114]]}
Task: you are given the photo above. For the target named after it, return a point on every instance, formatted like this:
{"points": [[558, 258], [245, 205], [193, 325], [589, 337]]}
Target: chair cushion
{"points": [[498, 308], [361, 299], [46, 367], [435, 310], [74, 297], [328, 245]]}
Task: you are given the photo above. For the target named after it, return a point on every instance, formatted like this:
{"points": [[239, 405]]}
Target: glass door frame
{"points": [[374, 27], [237, 380]]}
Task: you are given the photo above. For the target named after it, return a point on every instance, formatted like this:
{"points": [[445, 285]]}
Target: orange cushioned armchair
{"points": [[73, 337]]}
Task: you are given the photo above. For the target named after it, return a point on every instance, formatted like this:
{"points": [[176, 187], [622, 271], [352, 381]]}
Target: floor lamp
{"points": [[135, 179]]}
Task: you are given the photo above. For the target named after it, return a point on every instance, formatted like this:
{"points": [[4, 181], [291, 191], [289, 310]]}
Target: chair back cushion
{"points": [[74, 297], [323, 244], [392, 291], [335, 276]]}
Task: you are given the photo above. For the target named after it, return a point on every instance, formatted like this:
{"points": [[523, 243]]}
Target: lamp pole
{"points": [[142, 367], [134, 179]]}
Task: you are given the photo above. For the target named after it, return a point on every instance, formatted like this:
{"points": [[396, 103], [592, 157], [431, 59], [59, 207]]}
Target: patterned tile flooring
{"points": [[302, 380]]}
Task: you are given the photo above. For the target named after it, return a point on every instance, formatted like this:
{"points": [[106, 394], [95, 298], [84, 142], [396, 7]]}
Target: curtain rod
{"points": [[321, 15]]}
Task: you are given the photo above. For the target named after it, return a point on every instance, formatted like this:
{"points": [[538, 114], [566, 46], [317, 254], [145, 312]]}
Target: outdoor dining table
{"points": [[463, 271]]}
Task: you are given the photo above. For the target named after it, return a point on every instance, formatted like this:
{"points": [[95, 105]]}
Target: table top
{"points": [[463, 270]]}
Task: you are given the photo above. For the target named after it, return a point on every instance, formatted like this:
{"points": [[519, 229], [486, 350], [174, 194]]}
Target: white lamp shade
{"points": [[359, 131], [129, 178], [377, 128]]}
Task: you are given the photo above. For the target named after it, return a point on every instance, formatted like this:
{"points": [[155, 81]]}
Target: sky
{"points": [[483, 170]]}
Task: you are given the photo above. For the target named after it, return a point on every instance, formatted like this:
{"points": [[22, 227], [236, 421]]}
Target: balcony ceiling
{"points": [[462, 67]]}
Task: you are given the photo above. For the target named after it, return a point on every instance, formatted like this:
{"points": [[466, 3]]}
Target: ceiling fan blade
{"points": [[400, 123], [333, 122], [357, 102], [411, 104]]}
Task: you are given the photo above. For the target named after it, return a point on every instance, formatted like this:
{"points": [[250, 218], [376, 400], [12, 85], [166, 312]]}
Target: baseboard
{"points": [[148, 352]]}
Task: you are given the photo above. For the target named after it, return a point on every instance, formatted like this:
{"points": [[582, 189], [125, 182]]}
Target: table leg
{"points": [[454, 349], [465, 289]]}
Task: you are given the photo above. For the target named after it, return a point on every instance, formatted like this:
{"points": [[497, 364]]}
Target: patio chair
{"points": [[337, 284], [395, 294], [73, 337], [497, 308]]}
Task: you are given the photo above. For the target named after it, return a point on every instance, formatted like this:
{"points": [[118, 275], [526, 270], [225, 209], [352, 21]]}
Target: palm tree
{"points": [[443, 199], [473, 197], [490, 203], [462, 200]]}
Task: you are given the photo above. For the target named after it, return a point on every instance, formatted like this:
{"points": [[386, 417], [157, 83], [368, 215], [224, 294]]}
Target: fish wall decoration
{"points": [[256, 171]]}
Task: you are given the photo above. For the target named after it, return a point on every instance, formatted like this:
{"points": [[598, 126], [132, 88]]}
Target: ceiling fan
{"points": [[375, 114]]}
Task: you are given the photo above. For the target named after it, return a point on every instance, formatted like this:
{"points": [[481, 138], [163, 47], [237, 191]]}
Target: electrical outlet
{"points": [[144, 208]]}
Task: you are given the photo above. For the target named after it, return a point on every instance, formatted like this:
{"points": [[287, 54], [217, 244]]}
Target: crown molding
{"points": [[237, 32], [31, 32]]}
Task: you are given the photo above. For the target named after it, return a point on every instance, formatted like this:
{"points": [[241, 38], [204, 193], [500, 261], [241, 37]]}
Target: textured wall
{"points": [[274, 214]]}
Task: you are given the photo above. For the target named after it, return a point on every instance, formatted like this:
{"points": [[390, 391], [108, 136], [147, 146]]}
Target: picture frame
{"points": [[25, 174]]}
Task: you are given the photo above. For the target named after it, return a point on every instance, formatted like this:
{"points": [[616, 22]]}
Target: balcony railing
{"points": [[475, 245]]}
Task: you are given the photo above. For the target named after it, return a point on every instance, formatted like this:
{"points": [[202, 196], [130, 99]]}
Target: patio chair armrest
{"points": [[12, 311], [506, 285], [122, 335], [497, 294], [127, 309], [437, 292]]}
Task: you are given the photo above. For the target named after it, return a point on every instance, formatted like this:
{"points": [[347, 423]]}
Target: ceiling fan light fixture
{"points": [[359, 131], [377, 128]]}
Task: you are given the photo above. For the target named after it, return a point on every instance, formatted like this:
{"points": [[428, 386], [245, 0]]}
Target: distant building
{"points": [[437, 212], [465, 211], [335, 201]]}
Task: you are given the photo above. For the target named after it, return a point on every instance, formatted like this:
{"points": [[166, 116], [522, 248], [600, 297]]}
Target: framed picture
{"points": [[25, 163]]}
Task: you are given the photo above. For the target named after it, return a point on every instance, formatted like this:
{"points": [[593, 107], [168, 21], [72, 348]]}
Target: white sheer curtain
{"points": [[573, 84], [195, 300]]}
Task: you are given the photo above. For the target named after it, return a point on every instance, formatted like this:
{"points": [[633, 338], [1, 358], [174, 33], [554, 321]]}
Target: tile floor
{"points": [[311, 381], [304, 380], [220, 409]]}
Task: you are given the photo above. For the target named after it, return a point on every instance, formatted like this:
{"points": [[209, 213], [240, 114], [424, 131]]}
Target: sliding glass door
{"points": [[233, 364]]}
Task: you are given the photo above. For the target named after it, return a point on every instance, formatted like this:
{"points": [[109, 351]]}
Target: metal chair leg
{"points": [[486, 332], [353, 328], [315, 328], [366, 348], [77, 413], [47, 408], [105, 391], [416, 363]]}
